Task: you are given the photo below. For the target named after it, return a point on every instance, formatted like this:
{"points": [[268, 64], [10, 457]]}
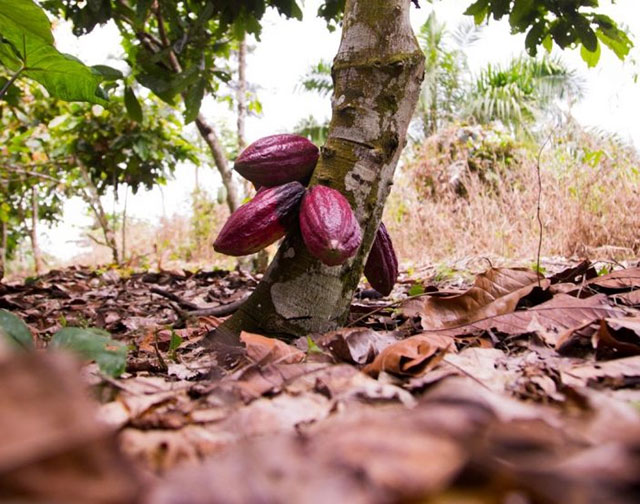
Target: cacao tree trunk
{"points": [[35, 246], [377, 75]]}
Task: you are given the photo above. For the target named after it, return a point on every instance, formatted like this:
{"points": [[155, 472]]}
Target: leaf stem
{"points": [[11, 81]]}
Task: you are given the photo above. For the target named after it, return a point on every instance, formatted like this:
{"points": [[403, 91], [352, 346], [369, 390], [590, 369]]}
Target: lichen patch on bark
{"points": [[353, 182], [306, 302]]}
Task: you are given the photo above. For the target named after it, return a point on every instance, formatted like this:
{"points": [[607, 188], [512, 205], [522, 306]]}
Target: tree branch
{"points": [[206, 131], [43, 176]]}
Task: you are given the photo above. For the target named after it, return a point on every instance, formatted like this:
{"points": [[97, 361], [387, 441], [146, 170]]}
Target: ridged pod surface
{"points": [[328, 225], [278, 159], [261, 221], [381, 268]]}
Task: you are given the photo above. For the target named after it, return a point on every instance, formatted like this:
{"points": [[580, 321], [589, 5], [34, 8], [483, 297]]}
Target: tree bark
{"points": [[377, 75], [91, 196], [217, 151], [241, 92], [206, 131], [4, 234], [123, 234], [35, 246], [259, 261]]}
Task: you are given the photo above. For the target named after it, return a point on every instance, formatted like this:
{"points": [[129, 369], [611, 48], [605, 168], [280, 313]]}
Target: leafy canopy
{"points": [[180, 50], [568, 23]]}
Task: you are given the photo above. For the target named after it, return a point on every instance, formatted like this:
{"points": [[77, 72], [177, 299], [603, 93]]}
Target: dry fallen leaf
{"points": [[361, 457], [357, 345], [618, 337], [411, 356], [53, 447], [495, 292], [617, 372], [624, 279], [561, 313], [263, 350], [629, 298]]}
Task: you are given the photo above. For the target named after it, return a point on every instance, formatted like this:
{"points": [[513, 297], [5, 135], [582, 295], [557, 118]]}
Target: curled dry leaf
{"points": [[358, 345], [569, 275], [495, 292], [411, 356], [617, 337], [624, 279], [630, 298], [264, 350]]}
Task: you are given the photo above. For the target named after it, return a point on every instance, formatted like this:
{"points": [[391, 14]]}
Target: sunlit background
{"points": [[276, 64]]}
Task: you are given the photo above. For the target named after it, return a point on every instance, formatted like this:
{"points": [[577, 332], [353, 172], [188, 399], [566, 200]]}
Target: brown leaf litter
{"points": [[518, 389]]}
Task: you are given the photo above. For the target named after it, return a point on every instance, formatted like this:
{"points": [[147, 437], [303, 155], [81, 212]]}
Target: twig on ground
{"points": [[212, 311], [174, 297], [380, 308], [217, 311]]}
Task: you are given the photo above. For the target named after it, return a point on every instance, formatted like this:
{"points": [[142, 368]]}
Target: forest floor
{"points": [[503, 386]]}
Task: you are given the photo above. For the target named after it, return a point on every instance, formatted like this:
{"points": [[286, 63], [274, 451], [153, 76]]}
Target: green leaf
{"points": [[20, 18], [175, 341], [586, 34], [591, 58], [312, 347], [522, 13], [13, 329], [64, 77], [563, 33], [619, 44], [142, 8], [416, 289], [107, 72], [132, 105], [499, 8], [26, 30], [534, 38], [547, 43], [193, 100], [93, 344], [478, 10]]}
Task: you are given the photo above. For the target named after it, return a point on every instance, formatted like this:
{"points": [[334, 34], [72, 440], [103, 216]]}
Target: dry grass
{"points": [[590, 203]]}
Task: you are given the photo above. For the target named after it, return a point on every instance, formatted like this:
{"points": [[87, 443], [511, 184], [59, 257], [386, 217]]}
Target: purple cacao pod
{"points": [[381, 268], [278, 159], [261, 221], [329, 228]]}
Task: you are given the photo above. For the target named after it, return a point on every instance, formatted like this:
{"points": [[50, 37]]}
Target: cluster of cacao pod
{"points": [[280, 166]]}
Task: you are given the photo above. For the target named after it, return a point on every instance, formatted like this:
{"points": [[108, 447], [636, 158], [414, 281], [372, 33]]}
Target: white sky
{"points": [[288, 48]]}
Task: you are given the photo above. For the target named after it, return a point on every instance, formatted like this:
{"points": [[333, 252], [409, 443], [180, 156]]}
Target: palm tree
{"points": [[518, 94], [523, 91], [318, 79], [446, 69]]}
